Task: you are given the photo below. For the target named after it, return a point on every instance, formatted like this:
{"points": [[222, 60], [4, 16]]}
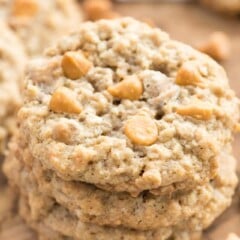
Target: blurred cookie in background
{"points": [[12, 64], [39, 23], [231, 7], [217, 46]]}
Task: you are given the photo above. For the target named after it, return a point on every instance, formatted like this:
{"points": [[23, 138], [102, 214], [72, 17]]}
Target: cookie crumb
{"points": [[217, 46]]}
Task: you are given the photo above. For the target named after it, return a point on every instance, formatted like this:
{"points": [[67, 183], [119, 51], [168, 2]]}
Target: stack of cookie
{"points": [[124, 134]]}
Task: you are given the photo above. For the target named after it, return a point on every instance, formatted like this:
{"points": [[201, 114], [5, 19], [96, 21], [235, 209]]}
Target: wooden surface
{"points": [[191, 24]]}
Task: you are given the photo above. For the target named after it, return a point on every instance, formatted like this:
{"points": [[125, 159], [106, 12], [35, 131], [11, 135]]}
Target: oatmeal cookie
{"points": [[120, 105], [231, 7], [198, 208], [60, 224], [39, 23]]}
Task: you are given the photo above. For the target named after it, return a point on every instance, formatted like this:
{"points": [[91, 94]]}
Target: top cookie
{"points": [[39, 23], [231, 7], [122, 106]]}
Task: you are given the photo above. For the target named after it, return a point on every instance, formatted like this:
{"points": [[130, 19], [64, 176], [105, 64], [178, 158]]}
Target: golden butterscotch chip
{"points": [[237, 127], [217, 46], [75, 65], [199, 111], [96, 9], [189, 74], [130, 88], [141, 130], [64, 100], [24, 8]]}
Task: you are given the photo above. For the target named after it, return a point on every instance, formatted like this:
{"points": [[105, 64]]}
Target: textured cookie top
{"points": [[39, 23], [12, 63], [120, 105], [225, 6]]}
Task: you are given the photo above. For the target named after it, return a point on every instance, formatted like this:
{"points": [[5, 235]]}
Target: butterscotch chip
{"points": [[141, 130], [96, 9], [130, 88], [24, 8], [63, 100], [198, 111], [75, 65], [237, 127], [217, 46], [189, 74]]}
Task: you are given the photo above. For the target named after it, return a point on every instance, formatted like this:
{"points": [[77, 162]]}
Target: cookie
{"points": [[120, 105], [12, 63], [59, 223], [146, 212], [231, 7], [39, 23]]}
